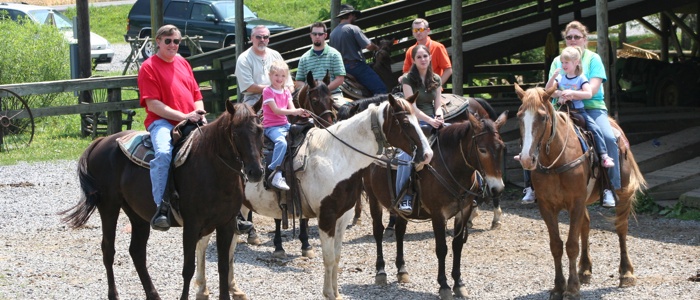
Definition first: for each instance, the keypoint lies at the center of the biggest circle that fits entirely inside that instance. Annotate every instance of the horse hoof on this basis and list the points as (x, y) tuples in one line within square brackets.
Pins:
[(356, 222), (280, 254), (628, 281), (380, 279), (202, 296), (585, 277), (555, 295), (470, 224), (495, 225), (460, 291), (239, 295), (308, 253), (389, 232), (572, 296), (403, 277), (254, 240), (446, 294)]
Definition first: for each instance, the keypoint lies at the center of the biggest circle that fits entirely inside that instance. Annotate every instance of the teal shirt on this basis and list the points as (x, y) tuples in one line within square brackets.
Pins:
[(592, 67), (330, 60)]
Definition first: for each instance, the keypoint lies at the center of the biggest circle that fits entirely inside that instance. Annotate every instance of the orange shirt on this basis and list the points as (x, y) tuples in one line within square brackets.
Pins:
[(438, 57)]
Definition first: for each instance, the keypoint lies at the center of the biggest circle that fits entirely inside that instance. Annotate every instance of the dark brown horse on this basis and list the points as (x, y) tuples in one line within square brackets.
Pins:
[(446, 190), (382, 63), (210, 187), (564, 180)]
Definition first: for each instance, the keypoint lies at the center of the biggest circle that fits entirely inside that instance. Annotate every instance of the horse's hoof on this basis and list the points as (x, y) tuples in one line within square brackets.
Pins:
[(356, 221), (279, 254), (389, 232), (460, 291), (495, 225), (380, 279), (308, 253), (572, 296), (555, 295), (446, 294), (585, 277), (203, 296), (470, 224), (628, 281), (254, 240), (238, 294), (403, 277)]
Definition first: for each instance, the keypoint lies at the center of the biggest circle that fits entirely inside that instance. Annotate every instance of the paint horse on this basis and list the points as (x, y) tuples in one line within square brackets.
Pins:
[(446, 189), (210, 186), (564, 180), (330, 180)]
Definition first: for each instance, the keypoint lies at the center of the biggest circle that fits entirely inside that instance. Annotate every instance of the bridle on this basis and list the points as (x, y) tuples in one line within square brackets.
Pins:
[(319, 118)]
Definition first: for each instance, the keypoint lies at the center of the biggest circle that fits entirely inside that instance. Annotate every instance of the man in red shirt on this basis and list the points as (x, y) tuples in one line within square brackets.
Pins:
[(440, 60)]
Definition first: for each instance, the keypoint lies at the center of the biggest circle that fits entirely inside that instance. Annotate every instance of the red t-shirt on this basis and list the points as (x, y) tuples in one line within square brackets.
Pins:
[(172, 83), (438, 57)]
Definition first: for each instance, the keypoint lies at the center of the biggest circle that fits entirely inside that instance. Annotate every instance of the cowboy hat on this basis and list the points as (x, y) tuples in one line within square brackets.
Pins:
[(348, 9)]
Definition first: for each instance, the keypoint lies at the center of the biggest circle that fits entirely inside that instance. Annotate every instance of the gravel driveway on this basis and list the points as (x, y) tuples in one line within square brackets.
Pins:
[(121, 52), (40, 258)]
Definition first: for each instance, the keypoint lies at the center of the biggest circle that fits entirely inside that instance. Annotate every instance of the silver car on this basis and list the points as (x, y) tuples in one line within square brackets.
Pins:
[(101, 50)]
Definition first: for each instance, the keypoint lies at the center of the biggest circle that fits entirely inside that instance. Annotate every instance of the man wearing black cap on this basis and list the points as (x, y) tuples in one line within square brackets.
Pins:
[(350, 40)]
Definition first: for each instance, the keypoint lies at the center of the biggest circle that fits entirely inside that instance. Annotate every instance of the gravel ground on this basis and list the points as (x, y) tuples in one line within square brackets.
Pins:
[(40, 258), (121, 52)]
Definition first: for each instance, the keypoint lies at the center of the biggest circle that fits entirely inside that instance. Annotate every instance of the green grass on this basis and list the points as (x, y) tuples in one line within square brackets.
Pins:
[(107, 21)]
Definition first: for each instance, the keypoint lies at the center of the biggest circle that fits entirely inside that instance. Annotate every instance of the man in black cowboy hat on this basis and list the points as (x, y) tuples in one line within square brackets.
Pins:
[(350, 40)]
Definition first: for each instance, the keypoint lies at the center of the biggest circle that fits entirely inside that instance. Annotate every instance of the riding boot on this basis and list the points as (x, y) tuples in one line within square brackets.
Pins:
[(160, 220)]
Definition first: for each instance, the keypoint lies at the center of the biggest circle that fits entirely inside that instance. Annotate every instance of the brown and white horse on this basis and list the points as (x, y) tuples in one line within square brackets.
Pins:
[(564, 180), (331, 180)]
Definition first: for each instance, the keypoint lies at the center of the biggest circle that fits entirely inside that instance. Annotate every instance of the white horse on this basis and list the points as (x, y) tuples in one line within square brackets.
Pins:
[(331, 180)]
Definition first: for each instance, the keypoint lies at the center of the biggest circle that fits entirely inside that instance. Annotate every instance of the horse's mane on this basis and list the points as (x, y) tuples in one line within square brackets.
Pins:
[(452, 135), (217, 133), (348, 110)]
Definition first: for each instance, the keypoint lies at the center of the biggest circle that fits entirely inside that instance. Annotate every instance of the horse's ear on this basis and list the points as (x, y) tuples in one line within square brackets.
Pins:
[(501, 120), (229, 107), (392, 101), (549, 92), (475, 123), (519, 91), (327, 78), (411, 99), (310, 79)]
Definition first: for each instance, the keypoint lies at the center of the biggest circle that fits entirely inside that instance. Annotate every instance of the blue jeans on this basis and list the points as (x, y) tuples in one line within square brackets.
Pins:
[(278, 134), (601, 118), (595, 129), (403, 171), (160, 165), (366, 76)]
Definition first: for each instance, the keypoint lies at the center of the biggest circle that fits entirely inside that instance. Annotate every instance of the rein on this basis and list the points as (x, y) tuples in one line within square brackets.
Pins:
[(237, 157), (569, 165)]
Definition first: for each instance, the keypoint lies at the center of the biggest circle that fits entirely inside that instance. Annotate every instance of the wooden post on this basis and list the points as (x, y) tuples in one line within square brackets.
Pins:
[(240, 41), (664, 25), (602, 25), (623, 35), (83, 37), (457, 49), (114, 118), (577, 13), (156, 18), (335, 9)]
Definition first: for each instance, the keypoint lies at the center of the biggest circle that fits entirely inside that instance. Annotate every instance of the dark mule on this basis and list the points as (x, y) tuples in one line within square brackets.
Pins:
[(382, 63), (564, 180), (314, 97), (210, 187), (330, 180), (447, 189)]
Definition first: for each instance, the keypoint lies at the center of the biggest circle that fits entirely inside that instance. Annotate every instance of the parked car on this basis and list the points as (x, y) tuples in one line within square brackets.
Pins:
[(213, 20), (100, 49)]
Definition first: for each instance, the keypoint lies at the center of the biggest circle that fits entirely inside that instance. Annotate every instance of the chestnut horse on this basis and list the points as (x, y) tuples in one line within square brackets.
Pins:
[(331, 181), (564, 180), (210, 186), (445, 192)]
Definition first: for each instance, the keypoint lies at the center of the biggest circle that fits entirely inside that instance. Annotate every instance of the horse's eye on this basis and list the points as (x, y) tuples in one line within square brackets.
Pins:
[(483, 151)]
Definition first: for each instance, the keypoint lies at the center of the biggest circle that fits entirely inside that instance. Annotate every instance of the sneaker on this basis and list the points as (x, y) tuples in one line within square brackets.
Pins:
[(279, 182), (608, 199), (607, 161), (529, 196), (405, 206)]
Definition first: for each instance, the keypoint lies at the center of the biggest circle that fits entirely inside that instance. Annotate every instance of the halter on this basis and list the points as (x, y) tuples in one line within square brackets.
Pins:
[(319, 118), (237, 157), (567, 166)]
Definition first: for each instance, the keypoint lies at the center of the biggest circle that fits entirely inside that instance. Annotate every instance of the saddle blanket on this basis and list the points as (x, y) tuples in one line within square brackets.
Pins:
[(138, 148)]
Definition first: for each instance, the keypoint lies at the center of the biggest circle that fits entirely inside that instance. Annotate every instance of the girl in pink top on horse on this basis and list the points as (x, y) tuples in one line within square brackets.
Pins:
[(277, 105)]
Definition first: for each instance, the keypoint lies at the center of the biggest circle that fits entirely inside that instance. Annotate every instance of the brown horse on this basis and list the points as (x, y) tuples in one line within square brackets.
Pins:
[(446, 191), (564, 180), (210, 187), (382, 63)]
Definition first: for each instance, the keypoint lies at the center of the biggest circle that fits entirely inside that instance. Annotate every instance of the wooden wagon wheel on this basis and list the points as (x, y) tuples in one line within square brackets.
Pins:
[(16, 121)]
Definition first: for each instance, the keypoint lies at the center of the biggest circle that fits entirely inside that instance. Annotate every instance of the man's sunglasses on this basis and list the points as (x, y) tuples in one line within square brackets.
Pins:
[(318, 33), (419, 29), (262, 37), (573, 37), (174, 41)]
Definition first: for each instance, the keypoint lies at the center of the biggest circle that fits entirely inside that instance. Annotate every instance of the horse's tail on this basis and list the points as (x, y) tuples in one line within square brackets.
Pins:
[(636, 184), (79, 214)]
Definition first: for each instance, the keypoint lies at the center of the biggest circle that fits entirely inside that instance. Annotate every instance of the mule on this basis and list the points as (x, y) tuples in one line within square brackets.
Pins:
[(564, 180), (223, 155), (330, 179), (446, 189)]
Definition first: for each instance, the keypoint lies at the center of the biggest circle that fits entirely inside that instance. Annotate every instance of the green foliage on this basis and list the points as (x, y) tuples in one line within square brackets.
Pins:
[(107, 21), (646, 204)]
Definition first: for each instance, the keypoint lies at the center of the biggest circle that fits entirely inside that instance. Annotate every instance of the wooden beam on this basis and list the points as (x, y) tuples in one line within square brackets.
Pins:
[(457, 50), (682, 26), (649, 26), (603, 42)]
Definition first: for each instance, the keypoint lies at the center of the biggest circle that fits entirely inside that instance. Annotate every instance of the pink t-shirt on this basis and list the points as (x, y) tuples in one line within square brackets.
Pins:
[(172, 83), (281, 98)]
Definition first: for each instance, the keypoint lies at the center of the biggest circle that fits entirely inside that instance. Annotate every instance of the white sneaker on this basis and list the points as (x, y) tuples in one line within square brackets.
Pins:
[(608, 199), (529, 196), (405, 206), (279, 182)]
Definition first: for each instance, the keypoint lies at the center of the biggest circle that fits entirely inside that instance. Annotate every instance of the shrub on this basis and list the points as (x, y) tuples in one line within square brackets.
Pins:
[(33, 53)]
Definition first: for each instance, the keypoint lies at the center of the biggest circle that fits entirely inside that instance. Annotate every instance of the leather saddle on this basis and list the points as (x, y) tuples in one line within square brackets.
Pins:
[(353, 89)]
